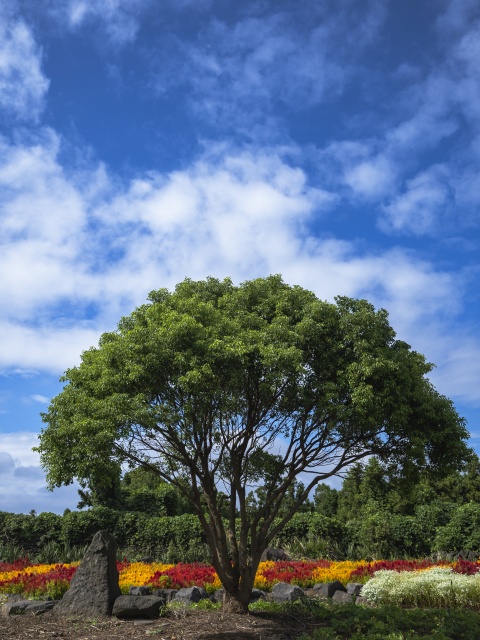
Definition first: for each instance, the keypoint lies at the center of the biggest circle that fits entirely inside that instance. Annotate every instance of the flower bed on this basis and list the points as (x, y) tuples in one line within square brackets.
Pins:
[(365, 571), (438, 586), (54, 580)]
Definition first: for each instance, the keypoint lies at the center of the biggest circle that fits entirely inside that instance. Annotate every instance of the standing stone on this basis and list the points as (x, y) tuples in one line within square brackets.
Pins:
[(94, 587)]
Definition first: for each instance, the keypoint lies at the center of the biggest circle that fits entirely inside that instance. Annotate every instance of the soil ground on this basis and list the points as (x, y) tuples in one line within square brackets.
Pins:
[(194, 625)]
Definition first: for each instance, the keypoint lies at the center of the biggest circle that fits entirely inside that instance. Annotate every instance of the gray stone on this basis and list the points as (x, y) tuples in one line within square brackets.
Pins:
[(140, 591), (284, 592), (327, 589), (147, 560), (354, 588), (472, 556), (39, 607), (449, 557), (142, 623), (94, 587), (26, 606), (361, 600), (273, 554), (340, 597), (257, 594), (14, 608), (166, 594), (191, 595), (218, 595), (135, 607)]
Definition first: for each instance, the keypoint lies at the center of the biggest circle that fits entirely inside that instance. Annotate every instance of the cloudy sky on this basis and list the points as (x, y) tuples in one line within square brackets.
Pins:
[(334, 141)]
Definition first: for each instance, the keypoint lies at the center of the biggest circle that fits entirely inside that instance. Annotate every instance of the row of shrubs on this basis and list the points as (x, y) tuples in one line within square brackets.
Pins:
[(439, 526)]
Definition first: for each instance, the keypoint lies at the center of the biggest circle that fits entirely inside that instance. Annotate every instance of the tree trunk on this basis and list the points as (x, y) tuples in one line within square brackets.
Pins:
[(236, 602)]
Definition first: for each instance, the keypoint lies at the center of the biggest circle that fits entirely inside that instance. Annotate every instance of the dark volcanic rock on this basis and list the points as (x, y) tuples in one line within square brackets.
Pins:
[(327, 589), (140, 591), (273, 554), (284, 592), (340, 597), (354, 588), (135, 607), (218, 596), (94, 587), (191, 595), (167, 595), (26, 606)]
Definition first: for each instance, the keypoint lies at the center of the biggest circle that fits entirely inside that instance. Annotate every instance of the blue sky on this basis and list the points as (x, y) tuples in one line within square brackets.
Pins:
[(337, 143)]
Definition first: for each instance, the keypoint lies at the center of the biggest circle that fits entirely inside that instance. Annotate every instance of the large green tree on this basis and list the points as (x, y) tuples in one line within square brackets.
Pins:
[(216, 386)]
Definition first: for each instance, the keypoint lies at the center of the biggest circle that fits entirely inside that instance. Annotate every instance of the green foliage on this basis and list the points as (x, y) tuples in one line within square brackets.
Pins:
[(462, 531), (155, 502), (54, 553), (11, 552), (314, 525), (326, 500), (351, 622)]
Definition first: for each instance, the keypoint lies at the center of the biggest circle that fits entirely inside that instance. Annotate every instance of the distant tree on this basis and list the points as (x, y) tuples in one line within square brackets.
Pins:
[(295, 491), (204, 382), (326, 500)]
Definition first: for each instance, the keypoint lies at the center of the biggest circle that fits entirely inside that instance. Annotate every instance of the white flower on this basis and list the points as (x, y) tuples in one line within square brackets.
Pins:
[(436, 587)]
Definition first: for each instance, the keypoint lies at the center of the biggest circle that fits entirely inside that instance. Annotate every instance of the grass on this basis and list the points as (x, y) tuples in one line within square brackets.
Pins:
[(353, 622)]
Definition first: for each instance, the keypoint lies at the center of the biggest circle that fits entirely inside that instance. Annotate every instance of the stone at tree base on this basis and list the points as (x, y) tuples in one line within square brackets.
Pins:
[(166, 594), (327, 589), (26, 606), (361, 600), (192, 595), (284, 592), (218, 595), (354, 588), (94, 587), (270, 554), (140, 591), (14, 608), (135, 607), (340, 597)]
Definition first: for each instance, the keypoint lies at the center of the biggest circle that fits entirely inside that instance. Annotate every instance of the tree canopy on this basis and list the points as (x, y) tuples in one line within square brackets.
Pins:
[(222, 388)]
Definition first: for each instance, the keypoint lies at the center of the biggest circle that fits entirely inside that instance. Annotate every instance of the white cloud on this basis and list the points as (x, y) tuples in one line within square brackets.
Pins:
[(424, 202), (22, 479), (39, 398), (439, 107), (72, 242), (296, 56), (22, 84), (119, 19)]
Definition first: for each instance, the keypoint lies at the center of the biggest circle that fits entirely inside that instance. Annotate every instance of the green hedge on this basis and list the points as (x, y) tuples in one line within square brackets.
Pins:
[(462, 531), (438, 526)]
